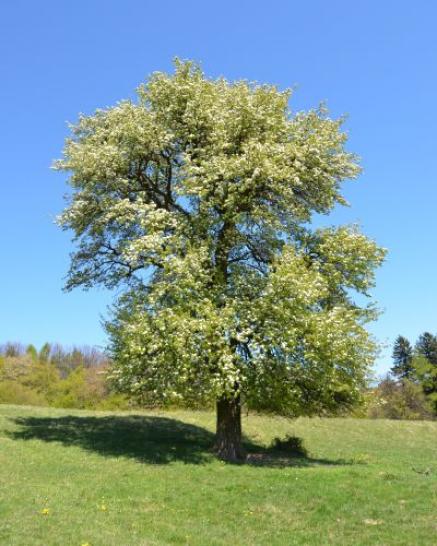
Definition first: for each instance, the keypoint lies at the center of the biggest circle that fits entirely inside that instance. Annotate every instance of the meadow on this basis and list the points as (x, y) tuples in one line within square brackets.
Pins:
[(72, 477)]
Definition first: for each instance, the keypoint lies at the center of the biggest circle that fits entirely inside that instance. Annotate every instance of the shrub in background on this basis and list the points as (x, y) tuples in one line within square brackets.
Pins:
[(291, 445), (58, 377), (399, 400), (12, 392)]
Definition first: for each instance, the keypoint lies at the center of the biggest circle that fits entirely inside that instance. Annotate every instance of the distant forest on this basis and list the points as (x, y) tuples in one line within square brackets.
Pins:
[(77, 377), (410, 390), (56, 376)]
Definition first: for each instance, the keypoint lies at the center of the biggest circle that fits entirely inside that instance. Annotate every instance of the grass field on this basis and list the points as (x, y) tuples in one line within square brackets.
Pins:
[(122, 479)]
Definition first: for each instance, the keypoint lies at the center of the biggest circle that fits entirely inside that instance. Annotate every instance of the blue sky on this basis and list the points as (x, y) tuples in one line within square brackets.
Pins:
[(375, 61)]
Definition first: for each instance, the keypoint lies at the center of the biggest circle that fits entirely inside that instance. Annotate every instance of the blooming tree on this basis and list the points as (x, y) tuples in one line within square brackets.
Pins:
[(197, 199)]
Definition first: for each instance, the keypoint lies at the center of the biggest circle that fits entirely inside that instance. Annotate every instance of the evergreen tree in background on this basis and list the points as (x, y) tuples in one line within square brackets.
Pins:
[(426, 346), (32, 352), (44, 353), (425, 365), (402, 358)]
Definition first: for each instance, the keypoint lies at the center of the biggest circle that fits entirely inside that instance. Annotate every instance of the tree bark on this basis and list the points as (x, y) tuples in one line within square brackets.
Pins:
[(228, 432)]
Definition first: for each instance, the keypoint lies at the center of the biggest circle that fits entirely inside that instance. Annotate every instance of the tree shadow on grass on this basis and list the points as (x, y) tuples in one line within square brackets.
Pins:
[(147, 439)]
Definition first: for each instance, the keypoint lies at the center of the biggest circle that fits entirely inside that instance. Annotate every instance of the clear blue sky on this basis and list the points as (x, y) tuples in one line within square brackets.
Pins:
[(375, 61)]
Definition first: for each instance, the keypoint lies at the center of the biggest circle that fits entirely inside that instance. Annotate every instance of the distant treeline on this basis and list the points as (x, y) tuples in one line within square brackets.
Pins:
[(56, 376), (77, 378), (410, 390)]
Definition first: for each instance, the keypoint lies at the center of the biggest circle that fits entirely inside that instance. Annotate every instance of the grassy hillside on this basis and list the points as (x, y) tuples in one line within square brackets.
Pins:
[(106, 479)]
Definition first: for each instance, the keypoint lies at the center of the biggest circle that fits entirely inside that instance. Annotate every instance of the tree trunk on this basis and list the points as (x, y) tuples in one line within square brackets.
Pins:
[(228, 432)]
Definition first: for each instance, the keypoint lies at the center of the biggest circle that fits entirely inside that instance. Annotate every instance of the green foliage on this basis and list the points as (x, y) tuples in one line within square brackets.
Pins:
[(32, 352), (402, 358), (44, 352), (420, 365), (113, 402), (399, 400), (43, 378), (292, 445), (73, 392), (12, 392), (426, 346), (426, 374), (56, 377), (16, 368), (197, 200)]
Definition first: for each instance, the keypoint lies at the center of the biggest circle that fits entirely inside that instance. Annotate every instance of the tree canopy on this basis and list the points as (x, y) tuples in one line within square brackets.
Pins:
[(197, 200)]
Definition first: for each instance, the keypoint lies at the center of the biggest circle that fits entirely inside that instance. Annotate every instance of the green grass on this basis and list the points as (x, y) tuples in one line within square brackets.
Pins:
[(121, 479)]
